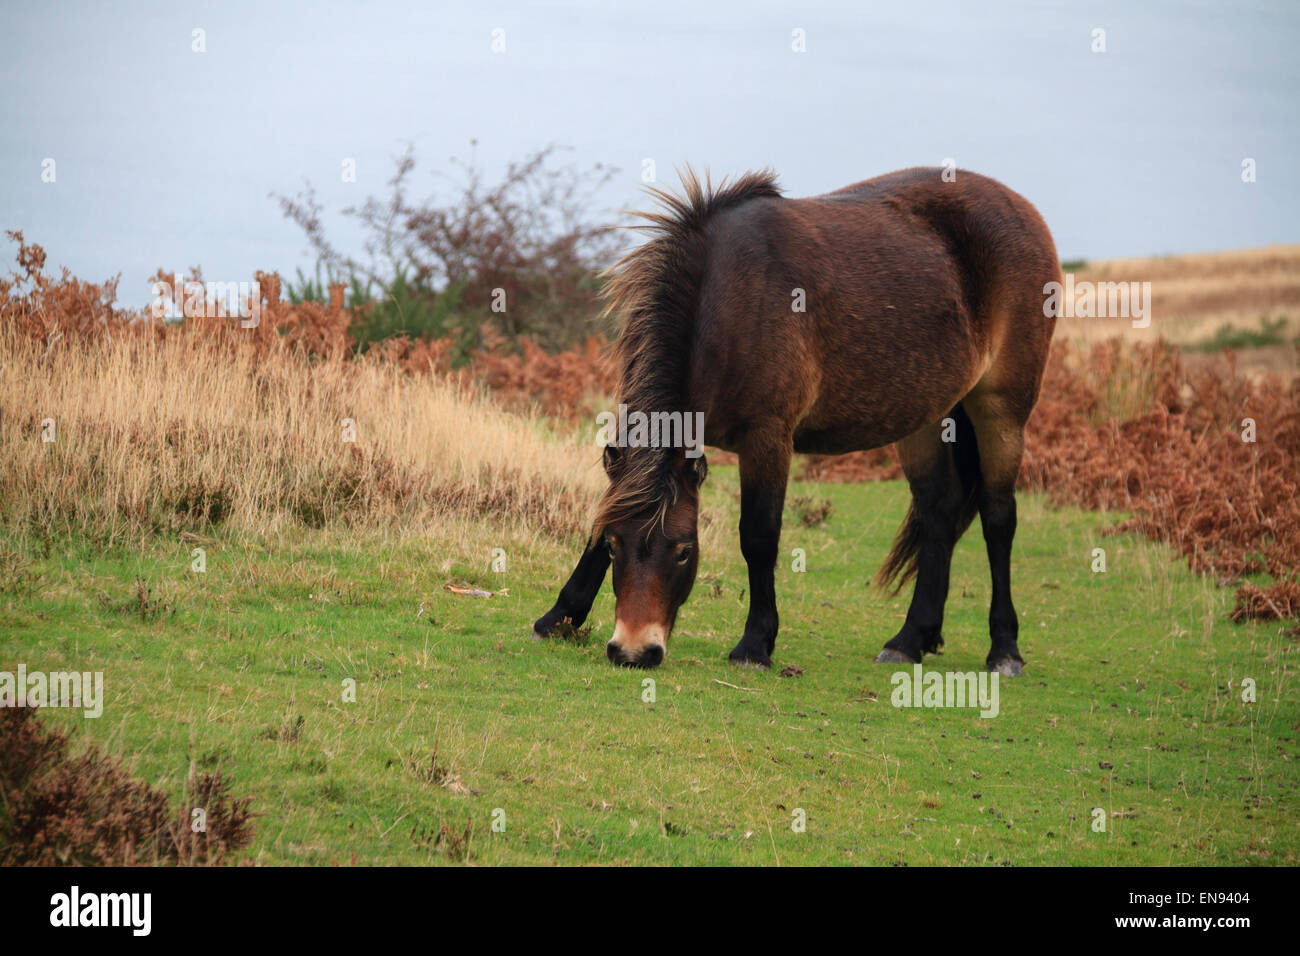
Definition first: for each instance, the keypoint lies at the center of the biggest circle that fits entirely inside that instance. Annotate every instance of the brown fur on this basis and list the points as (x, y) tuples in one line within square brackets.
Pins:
[(655, 288), (922, 304), (828, 385)]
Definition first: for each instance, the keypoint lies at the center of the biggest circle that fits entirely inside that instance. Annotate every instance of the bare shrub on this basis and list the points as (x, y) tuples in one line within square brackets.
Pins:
[(87, 810), (528, 241)]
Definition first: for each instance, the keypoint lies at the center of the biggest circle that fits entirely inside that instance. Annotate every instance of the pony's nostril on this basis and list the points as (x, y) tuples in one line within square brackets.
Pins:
[(612, 652), (652, 656)]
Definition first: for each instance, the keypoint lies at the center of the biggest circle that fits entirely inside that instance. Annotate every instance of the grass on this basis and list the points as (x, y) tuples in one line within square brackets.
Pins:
[(1270, 332), (166, 436), (1131, 701), (1201, 300)]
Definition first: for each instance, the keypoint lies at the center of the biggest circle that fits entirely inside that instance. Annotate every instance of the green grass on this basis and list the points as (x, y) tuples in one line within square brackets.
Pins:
[(1270, 332), (1131, 702)]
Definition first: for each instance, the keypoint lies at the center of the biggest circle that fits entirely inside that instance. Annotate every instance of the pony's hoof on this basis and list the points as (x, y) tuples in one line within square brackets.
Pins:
[(743, 658), (891, 656), (1007, 667)]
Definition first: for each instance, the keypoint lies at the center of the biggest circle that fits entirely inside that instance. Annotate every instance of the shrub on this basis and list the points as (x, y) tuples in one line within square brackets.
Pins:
[(521, 253), (59, 810)]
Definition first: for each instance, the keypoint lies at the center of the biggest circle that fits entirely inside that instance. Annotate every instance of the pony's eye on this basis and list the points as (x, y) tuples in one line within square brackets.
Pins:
[(685, 554), (609, 546)]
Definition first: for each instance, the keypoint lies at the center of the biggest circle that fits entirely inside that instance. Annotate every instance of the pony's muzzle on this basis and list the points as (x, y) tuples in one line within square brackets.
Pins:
[(650, 656), (643, 649)]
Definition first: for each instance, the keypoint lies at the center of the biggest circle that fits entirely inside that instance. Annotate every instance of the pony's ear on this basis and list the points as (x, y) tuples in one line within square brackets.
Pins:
[(692, 470), (613, 457), (701, 466)]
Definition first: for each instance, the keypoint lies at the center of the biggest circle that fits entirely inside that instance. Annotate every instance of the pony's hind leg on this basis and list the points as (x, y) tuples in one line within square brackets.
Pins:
[(999, 430), (942, 477), (579, 593)]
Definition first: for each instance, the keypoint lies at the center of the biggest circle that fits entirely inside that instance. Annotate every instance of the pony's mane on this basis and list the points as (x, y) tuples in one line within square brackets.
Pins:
[(656, 288)]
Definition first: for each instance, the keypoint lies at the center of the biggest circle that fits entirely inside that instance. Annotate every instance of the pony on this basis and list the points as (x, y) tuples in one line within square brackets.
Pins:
[(909, 309)]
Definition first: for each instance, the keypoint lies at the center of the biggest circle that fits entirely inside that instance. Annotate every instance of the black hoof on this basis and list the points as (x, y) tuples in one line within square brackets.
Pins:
[(891, 656), (1006, 666), (547, 625), (742, 656)]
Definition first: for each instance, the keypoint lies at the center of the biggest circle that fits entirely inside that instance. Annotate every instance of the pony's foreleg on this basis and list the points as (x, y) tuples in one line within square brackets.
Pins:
[(577, 596), (764, 471)]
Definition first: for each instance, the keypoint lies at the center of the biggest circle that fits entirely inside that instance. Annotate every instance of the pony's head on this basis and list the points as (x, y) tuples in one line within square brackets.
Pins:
[(647, 521)]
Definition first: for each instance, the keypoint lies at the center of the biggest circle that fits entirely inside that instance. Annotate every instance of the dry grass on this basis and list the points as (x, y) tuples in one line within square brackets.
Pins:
[(185, 432), (1193, 296)]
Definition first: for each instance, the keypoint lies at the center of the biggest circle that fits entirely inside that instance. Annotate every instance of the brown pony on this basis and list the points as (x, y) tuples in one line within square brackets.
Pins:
[(909, 309)]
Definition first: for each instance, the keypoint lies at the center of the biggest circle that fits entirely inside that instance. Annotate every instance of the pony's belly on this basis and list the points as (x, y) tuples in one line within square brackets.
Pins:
[(877, 417), (842, 441)]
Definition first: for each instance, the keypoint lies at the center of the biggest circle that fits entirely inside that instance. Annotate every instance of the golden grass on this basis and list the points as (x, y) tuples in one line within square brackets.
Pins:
[(157, 434), (1195, 295)]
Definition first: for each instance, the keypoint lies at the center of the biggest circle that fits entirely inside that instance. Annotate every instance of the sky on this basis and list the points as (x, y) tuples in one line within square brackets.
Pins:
[(168, 157)]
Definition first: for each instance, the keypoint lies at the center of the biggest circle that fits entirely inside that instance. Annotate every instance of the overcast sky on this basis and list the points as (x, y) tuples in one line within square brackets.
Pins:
[(165, 157)]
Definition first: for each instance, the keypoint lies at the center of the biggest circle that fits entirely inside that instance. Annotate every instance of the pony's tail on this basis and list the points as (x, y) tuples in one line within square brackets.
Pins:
[(901, 564)]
